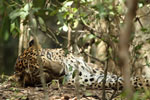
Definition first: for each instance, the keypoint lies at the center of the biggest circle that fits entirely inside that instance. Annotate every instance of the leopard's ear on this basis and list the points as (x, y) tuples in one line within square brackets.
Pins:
[(31, 43)]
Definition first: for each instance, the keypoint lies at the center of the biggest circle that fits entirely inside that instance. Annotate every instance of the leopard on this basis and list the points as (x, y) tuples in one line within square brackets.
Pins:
[(57, 64)]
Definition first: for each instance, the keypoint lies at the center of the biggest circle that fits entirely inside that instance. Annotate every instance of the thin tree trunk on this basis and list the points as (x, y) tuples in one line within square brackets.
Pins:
[(124, 46), (20, 38)]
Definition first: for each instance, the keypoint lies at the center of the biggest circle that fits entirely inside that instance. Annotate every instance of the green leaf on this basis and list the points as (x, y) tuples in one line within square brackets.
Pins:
[(2, 7), (54, 82), (70, 16), (14, 14), (64, 80), (140, 5), (4, 31), (65, 28), (74, 10), (147, 63), (6, 35), (23, 15), (70, 68), (138, 47), (24, 98), (54, 12), (119, 9), (110, 7), (136, 96), (66, 52), (74, 73), (69, 3), (88, 94), (91, 36), (34, 23), (144, 29), (111, 13), (27, 7), (75, 23), (42, 24), (60, 18), (12, 27)]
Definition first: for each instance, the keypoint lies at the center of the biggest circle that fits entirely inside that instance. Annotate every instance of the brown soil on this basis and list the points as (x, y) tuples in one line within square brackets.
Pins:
[(9, 91)]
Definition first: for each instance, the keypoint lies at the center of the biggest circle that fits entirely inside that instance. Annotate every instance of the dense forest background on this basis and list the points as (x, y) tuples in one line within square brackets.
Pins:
[(113, 34), (86, 25)]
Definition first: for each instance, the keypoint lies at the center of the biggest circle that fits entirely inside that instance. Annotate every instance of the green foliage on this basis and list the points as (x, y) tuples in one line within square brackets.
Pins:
[(6, 26), (70, 68), (74, 73), (22, 13), (77, 14), (13, 12), (5, 29), (145, 30), (138, 95), (42, 24), (138, 47), (67, 15), (3, 78), (64, 80), (69, 12)]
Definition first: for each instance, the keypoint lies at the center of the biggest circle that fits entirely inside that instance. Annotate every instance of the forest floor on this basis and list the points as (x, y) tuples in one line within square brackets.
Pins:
[(9, 91)]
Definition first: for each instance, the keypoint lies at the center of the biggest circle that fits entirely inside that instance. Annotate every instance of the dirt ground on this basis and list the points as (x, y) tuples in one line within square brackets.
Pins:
[(9, 91)]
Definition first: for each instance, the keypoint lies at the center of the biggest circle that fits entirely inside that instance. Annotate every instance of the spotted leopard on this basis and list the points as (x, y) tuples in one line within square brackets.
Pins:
[(57, 64)]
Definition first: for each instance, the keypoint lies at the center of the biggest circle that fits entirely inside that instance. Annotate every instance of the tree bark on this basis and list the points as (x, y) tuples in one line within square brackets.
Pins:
[(124, 46)]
